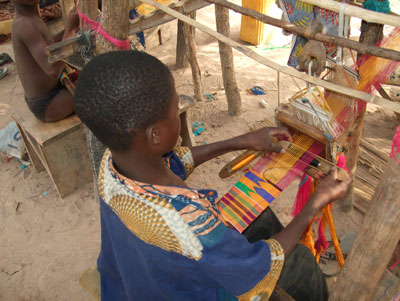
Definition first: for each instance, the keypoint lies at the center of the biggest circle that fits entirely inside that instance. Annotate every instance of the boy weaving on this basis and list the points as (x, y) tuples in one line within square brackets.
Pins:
[(162, 240), (45, 96)]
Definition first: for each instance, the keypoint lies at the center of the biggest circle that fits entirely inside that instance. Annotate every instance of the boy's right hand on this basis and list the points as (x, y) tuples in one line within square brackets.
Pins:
[(330, 189)]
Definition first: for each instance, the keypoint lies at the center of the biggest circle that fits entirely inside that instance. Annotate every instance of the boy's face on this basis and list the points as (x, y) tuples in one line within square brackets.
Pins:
[(172, 123)]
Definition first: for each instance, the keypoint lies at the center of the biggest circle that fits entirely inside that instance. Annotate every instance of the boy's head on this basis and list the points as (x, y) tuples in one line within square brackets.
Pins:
[(26, 2), (127, 96)]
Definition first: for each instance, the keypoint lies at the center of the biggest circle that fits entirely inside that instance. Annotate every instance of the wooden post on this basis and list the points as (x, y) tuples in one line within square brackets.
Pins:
[(196, 73), (115, 22), (227, 66), (377, 238), (182, 52), (371, 33), (89, 8)]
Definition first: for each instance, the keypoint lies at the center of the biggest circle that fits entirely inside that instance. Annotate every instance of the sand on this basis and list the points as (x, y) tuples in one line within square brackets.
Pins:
[(46, 242)]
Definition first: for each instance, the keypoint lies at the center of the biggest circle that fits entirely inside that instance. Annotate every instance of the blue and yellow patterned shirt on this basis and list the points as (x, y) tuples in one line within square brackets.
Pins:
[(169, 243)]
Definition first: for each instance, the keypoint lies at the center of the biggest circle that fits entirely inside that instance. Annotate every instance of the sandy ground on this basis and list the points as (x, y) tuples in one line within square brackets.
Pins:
[(46, 242)]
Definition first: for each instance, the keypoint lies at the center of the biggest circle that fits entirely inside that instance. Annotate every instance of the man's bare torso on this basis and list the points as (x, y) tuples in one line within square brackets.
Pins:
[(34, 79)]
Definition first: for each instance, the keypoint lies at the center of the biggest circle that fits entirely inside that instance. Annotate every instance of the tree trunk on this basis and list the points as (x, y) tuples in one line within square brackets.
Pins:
[(115, 22), (182, 52), (227, 66), (192, 57)]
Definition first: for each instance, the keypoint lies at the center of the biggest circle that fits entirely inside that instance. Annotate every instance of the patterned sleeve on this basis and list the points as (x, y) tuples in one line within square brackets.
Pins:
[(246, 270), (185, 155), (265, 287)]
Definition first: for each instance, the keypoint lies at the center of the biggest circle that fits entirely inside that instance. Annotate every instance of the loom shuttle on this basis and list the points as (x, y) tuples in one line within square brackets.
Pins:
[(244, 162), (239, 162)]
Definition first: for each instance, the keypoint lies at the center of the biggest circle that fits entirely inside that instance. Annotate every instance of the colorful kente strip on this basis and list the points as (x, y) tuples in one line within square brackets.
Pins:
[(256, 190)]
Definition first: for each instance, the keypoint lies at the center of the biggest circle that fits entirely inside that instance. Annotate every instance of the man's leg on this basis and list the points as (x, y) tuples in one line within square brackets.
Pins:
[(60, 107), (301, 276)]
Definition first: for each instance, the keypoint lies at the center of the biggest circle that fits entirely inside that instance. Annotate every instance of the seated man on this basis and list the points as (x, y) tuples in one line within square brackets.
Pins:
[(163, 240), (45, 95)]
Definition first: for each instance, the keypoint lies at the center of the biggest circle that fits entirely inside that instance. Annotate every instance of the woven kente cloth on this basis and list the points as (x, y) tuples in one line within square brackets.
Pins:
[(270, 175)]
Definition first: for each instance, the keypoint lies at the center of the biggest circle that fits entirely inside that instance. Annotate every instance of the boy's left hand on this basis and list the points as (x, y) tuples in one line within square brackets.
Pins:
[(72, 25), (262, 139)]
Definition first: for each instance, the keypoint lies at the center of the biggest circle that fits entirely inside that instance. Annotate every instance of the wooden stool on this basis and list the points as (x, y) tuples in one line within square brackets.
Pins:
[(59, 147)]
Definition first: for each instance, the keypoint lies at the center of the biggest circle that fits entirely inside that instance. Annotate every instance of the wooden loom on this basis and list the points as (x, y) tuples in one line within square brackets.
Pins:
[(114, 22)]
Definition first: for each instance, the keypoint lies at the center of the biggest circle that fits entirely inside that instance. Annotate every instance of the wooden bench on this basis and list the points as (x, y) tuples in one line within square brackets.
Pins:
[(59, 147)]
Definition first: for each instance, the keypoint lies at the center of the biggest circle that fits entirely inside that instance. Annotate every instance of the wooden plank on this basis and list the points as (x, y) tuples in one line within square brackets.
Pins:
[(33, 156), (325, 38), (358, 12), (158, 17), (45, 132), (67, 161), (227, 66), (284, 69), (375, 242)]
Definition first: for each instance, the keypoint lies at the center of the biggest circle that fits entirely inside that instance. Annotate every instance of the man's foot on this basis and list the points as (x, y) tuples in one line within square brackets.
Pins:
[(4, 59), (3, 72)]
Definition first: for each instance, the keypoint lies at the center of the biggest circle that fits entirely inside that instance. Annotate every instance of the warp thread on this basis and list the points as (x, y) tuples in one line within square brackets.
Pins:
[(96, 26), (395, 153)]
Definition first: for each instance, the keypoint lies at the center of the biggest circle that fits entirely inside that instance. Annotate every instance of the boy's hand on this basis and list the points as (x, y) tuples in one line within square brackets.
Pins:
[(261, 140), (72, 25), (329, 189)]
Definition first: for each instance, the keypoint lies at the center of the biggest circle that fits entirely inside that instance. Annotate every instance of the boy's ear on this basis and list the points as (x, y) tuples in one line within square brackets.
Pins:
[(153, 135)]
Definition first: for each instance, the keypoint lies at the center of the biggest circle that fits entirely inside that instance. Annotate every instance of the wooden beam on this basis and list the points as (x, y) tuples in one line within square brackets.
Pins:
[(114, 21), (376, 240), (227, 66), (358, 12), (158, 17), (299, 125), (284, 69), (298, 30), (63, 49)]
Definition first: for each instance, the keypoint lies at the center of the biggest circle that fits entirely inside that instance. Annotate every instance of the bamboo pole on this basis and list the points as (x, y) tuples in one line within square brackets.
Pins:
[(377, 238), (158, 17), (284, 69), (298, 30), (226, 57), (358, 12)]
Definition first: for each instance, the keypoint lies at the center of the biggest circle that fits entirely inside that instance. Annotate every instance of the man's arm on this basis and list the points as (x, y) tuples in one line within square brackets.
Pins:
[(257, 140), (327, 191), (28, 33)]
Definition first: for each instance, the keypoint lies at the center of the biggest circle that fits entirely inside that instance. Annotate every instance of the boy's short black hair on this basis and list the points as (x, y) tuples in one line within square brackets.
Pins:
[(120, 93)]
